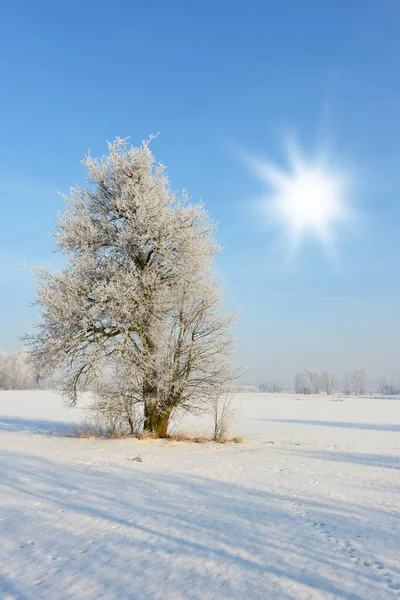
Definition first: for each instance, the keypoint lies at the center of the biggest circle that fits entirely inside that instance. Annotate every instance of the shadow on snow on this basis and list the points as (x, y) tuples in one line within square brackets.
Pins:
[(140, 534), (362, 426), (39, 426)]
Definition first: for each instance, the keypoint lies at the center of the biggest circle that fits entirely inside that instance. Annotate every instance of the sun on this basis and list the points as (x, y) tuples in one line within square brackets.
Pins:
[(307, 199)]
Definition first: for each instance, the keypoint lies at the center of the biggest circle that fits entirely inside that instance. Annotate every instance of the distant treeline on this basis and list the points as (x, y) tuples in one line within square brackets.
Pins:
[(16, 373), (307, 382)]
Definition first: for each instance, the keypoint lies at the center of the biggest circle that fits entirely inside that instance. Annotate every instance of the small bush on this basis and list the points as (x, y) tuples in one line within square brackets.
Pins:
[(85, 430), (221, 437), (223, 414)]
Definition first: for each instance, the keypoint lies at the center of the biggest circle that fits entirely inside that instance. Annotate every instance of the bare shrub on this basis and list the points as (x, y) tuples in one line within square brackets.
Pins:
[(86, 429), (93, 428), (223, 414), (116, 411)]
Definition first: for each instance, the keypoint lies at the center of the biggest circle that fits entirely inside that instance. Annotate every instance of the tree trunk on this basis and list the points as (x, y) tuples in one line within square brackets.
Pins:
[(156, 421)]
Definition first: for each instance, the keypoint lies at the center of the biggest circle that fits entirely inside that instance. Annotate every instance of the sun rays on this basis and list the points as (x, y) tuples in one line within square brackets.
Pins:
[(306, 199)]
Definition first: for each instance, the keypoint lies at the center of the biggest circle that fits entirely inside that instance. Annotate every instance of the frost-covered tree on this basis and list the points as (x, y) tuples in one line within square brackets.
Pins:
[(302, 383), (359, 382), (315, 379), (388, 388), (270, 387), (383, 386), (346, 384), (15, 371), (137, 303), (328, 379)]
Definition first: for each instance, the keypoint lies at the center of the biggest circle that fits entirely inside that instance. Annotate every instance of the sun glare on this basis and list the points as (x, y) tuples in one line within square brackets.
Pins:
[(308, 198)]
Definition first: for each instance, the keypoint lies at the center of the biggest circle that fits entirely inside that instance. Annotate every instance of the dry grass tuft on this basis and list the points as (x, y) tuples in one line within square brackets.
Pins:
[(200, 439), (88, 429), (195, 438), (183, 436), (224, 439), (146, 435)]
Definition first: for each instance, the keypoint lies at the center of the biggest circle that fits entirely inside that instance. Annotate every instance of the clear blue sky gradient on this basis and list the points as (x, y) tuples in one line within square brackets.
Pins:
[(212, 77)]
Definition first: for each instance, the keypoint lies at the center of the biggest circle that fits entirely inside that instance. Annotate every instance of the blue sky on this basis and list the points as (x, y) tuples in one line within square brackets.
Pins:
[(213, 77)]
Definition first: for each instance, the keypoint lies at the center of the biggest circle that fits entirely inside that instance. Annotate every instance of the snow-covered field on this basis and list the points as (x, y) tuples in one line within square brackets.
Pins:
[(306, 507)]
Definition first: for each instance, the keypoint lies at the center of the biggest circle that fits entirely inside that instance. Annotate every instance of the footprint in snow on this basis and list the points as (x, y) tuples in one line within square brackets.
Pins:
[(393, 585), (349, 549), (27, 544)]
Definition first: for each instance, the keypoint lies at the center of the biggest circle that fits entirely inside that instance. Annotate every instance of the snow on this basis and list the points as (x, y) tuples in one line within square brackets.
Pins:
[(306, 507)]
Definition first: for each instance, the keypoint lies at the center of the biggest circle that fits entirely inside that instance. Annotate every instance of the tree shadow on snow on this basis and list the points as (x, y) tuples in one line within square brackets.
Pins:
[(363, 426), (129, 532), (38, 426), (386, 461)]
